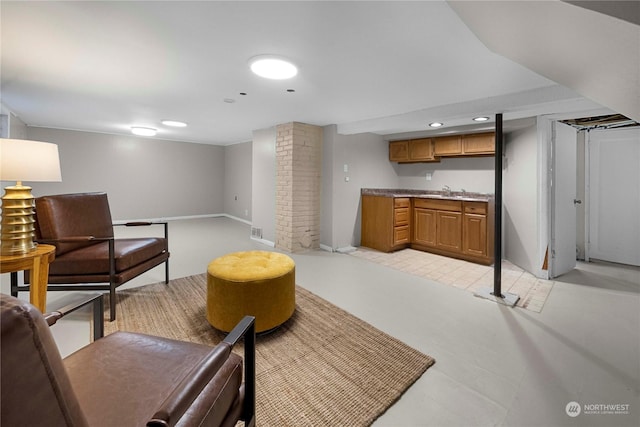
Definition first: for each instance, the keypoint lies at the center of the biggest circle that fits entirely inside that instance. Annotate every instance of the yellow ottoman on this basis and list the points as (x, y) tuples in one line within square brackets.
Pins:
[(255, 283)]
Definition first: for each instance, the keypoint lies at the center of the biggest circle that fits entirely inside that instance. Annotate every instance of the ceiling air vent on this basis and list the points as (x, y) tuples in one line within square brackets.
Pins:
[(601, 122)]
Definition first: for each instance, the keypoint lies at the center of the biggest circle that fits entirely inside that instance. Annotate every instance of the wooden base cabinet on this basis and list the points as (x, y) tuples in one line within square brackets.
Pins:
[(437, 224), (478, 230), (458, 229), (455, 228), (386, 222)]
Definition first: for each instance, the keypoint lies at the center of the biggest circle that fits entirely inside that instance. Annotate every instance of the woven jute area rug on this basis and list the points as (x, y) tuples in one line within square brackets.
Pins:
[(323, 367)]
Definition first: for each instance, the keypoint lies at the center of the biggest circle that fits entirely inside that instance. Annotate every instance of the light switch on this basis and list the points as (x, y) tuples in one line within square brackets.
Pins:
[(428, 176)]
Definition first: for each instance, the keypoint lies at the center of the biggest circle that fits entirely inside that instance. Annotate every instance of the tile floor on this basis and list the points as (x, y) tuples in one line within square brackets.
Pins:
[(495, 365), (533, 292)]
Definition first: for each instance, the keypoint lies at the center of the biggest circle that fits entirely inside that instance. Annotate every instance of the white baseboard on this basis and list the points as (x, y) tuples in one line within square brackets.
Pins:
[(263, 241), (179, 218), (346, 249)]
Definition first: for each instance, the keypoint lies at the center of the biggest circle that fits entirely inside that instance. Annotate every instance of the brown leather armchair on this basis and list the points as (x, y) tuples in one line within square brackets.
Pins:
[(88, 257), (124, 379)]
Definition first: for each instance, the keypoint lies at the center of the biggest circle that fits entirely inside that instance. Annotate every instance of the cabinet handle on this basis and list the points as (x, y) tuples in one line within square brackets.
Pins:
[(577, 202)]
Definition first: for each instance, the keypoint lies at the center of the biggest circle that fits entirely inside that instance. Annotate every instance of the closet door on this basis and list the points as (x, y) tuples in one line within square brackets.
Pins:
[(614, 195)]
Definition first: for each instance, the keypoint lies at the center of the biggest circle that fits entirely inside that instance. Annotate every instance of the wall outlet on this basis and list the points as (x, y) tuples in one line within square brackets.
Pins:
[(246, 212), (428, 176), (346, 168)]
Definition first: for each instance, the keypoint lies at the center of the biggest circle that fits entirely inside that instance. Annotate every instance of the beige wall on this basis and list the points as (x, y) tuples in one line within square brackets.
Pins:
[(237, 180), (368, 166), (475, 174), (143, 177), (263, 194)]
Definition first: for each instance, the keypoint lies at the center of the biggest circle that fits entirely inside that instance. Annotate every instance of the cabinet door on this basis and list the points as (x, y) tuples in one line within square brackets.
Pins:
[(475, 234), (424, 226), (399, 151), (420, 149), (447, 146), (449, 230), (481, 143)]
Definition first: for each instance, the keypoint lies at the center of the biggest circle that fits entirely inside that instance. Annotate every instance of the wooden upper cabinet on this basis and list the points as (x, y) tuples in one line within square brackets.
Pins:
[(432, 149), (421, 149), (399, 151), (479, 143), (447, 146), (413, 150)]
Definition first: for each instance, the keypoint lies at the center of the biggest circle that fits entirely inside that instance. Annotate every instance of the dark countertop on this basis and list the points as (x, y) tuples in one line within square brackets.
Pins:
[(427, 194)]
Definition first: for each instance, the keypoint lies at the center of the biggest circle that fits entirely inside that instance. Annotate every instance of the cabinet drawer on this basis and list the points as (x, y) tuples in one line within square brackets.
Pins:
[(401, 202), (401, 216), (401, 235), (475, 207), (437, 204)]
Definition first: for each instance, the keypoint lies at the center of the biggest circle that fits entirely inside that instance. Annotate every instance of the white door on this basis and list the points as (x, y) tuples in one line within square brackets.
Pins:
[(614, 195), (563, 195)]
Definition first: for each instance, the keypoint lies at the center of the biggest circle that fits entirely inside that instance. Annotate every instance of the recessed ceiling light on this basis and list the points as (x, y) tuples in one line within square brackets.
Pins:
[(481, 119), (229, 100), (272, 67), (435, 124), (174, 123), (143, 131)]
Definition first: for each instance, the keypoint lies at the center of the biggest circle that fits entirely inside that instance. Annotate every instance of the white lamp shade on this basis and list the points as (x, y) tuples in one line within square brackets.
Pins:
[(23, 160)]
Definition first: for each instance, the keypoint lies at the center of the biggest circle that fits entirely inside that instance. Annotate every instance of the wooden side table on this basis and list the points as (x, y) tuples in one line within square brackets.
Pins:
[(37, 261)]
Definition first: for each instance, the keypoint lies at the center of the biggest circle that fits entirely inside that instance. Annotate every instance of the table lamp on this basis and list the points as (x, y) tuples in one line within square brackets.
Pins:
[(22, 160)]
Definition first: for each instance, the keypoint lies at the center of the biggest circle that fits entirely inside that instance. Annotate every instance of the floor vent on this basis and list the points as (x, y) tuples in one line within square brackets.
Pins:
[(256, 232)]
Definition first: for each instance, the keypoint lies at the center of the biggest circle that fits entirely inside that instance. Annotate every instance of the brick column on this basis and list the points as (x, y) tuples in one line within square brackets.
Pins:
[(298, 169)]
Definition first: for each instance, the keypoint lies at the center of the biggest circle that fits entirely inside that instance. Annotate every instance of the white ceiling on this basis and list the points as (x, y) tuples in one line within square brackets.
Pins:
[(384, 67)]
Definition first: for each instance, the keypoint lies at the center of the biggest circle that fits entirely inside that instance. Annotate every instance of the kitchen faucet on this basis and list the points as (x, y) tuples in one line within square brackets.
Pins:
[(447, 190)]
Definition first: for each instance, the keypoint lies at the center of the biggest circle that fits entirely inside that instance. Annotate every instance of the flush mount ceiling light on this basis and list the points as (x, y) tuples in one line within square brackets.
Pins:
[(174, 123), (272, 67), (435, 124), (143, 131), (480, 119)]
